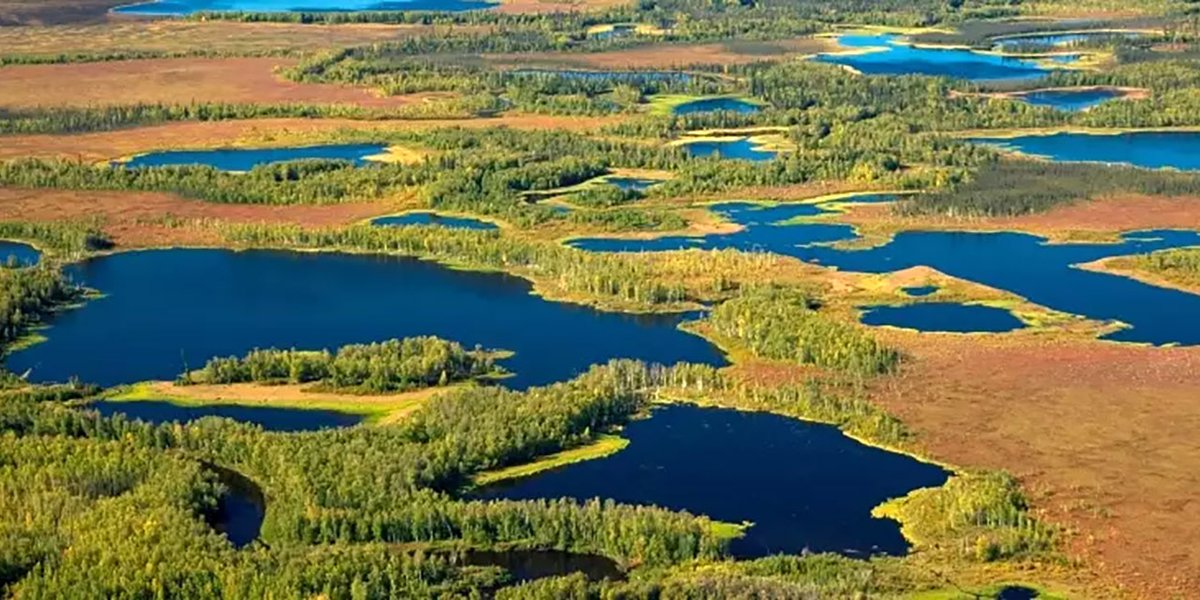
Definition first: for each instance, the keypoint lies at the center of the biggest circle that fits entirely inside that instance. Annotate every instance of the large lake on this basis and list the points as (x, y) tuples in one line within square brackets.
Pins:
[(804, 485), (1149, 149), (886, 54), (167, 310), (1023, 264)]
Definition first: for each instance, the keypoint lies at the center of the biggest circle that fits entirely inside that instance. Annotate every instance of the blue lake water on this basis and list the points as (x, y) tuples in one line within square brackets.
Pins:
[(804, 485), (240, 510), (741, 149), (705, 105), (187, 7), (18, 253), (640, 184), (431, 218), (244, 159), (1069, 100), (1020, 263), (528, 565), (1149, 149), (943, 316), (165, 310), (268, 417), (889, 56)]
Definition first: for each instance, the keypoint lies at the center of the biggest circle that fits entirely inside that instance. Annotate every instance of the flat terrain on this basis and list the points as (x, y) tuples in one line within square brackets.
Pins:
[(54, 12), (556, 6), (1101, 218), (141, 219), (174, 81), (666, 56), (1103, 435), (109, 145), (214, 37)]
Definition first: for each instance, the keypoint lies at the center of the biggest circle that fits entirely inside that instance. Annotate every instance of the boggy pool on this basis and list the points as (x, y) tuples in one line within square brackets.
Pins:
[(421, 217), (270, 418), (886, 54), (1023, 264), (243, 159), (18, 254), (167, 310), (804, 485), (1071, 100)]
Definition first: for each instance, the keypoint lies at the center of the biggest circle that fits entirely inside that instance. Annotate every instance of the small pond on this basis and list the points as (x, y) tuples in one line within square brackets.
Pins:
[(527, 565), (270, 418), (811, 486), (920, 290), (1148, 149), (240, 160), (432, 218), (1023, 264), (1069, 99), (705, 105), (167, 310), (948, 317), (241, 510), (886, 54), (639, 184), (18, 253), (740, 149)]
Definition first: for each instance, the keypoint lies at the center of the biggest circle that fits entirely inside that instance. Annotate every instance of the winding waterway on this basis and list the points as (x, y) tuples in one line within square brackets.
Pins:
[(1148, 149)]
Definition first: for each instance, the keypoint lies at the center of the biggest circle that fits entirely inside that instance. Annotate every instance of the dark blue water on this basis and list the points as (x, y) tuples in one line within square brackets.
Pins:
[(244, 159), (705, 105), (1020, 263), (602, 76), (187, 7), (1069, 100), (165, 310), (943, 316), (742, 149), (896, 58), (240, 510), (805, 486), (18, 253), (528, 565), (429, 218), (920, 290), (632, 183), (1149, 149), (268, 417)]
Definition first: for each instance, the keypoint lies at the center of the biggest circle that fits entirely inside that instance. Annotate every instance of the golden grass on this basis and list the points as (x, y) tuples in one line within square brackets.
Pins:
[(604, 445)]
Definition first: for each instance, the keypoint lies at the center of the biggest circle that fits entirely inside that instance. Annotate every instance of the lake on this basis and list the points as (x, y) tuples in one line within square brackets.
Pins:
[(949, 317), (18, 253), (165, 311), (240, 510), (886, 54), (706, 105), (240, 160), (639, 184), (270, 418), (1068, 99), (1016, 42), (804, 485), (1148, 149), (528, 565), (920, 290), (187, 7), (432, 218), (740, 149), (1023, 264)]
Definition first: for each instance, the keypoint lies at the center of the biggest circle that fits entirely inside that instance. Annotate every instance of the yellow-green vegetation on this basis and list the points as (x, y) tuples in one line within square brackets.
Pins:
[(379, 409), (1177, 268), (604, 445)]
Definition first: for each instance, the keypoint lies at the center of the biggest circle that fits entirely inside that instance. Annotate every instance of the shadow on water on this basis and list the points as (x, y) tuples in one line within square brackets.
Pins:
[(528, 565), (244, 159), (950, 317), (269, 418), (812, 487), (885, 54), (241, 510), (431, 218), (168, 310), (1148, 149), (16, 253), (1023, 264)]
